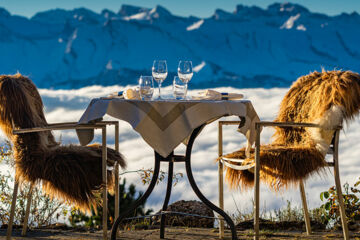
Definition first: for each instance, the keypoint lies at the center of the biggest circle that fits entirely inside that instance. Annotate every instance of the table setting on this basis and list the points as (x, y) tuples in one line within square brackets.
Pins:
[(165, 122), (145, 89)]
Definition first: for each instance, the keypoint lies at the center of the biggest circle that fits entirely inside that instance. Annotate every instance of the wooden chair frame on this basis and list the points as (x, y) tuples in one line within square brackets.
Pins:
[(258, 127), (68, 126)]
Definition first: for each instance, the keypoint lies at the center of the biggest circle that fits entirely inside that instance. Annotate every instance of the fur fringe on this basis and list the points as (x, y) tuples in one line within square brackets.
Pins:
[(281, 166), (69, 173)]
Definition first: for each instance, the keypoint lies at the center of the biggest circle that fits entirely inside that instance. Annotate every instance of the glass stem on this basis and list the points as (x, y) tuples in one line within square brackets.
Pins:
[(159, 89)]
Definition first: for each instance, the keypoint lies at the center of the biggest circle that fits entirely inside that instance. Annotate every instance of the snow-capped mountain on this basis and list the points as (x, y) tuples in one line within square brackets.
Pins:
[(250, 47)]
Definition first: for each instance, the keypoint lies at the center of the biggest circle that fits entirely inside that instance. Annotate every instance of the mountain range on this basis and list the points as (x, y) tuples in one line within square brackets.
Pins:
[(249, 47)]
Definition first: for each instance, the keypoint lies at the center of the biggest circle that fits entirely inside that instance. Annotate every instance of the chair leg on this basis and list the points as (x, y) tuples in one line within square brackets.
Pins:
[(104, 178), (257, 184), (305, 208), (221, 181), (27, 212), (342, 207), (221, 200), (117, 197), (338, 187), (12, 211)]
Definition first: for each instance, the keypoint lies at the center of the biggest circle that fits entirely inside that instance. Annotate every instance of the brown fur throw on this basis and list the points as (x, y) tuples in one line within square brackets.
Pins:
[(71, 173), (325, 98)]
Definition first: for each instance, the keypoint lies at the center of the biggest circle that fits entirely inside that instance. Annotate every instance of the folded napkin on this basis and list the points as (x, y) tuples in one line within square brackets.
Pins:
[(215, 95), (129, 93)]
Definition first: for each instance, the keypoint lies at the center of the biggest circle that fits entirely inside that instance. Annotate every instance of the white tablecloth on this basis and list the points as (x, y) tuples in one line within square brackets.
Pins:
[(164, 124)]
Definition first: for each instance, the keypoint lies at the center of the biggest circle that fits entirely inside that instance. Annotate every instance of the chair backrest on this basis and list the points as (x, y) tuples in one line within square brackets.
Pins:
[(21, 106), (326, 98)]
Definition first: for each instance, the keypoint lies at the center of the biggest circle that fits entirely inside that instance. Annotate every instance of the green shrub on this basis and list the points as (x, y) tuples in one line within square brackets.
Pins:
[(94, 219), (44, 211), (331, 212)]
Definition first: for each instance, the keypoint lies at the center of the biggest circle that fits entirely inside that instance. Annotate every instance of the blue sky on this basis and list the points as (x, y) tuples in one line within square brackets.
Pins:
[(200, 8)]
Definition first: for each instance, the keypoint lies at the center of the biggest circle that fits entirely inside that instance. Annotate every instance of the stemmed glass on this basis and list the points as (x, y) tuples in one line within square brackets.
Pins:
[(159, 73), (185, 71)]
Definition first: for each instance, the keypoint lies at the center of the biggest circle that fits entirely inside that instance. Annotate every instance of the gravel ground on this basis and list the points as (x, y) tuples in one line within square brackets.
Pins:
[(178, 233)]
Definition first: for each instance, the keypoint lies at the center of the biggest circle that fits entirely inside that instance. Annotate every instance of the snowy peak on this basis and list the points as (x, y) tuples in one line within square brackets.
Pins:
[(145, 14), (293, 22), (195, 25), (87, 16), (129, 10), (60, 16), (253, 11), (289, 24), (76, 48), (241, 12), (52, 16), (160, 11), (222, 15), (286, 9), (106, 13)]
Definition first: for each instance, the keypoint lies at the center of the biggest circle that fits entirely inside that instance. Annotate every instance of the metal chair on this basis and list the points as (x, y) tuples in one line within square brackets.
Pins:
[(333, 150), (66, 126)]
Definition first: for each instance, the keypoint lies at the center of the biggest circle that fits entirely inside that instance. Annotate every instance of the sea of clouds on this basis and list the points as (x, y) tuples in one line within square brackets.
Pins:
[(68, 105)]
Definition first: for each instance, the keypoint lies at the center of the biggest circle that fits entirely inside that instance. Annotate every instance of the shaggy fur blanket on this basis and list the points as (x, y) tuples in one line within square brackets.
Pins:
[(326, 98), (70, 173)]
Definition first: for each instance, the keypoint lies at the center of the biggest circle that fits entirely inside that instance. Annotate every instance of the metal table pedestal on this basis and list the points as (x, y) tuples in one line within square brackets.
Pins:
[(171, 159)]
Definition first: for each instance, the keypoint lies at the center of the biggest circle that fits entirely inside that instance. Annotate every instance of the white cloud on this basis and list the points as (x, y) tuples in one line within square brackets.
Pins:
[(68, 105)]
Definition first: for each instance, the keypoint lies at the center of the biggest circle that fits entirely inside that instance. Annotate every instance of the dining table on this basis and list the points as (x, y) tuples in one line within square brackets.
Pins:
[(164, 125)]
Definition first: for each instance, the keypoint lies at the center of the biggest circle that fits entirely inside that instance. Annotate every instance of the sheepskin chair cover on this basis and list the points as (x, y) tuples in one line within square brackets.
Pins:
[(70, 173), (327, 98)]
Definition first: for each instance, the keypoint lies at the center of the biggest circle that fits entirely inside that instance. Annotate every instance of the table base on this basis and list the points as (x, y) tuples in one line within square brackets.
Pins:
[(171, 159)]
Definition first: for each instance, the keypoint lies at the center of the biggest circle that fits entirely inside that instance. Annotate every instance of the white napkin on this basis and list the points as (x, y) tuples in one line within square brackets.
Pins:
[(115, 95), (129, 93), (215, 95)]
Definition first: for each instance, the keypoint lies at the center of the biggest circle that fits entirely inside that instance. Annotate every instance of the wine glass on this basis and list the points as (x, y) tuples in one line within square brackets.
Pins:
[(146, 87), (159, 73), (185, 71)]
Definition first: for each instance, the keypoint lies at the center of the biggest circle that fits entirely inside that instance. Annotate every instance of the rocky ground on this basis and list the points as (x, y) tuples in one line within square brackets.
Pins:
[(173, 233)]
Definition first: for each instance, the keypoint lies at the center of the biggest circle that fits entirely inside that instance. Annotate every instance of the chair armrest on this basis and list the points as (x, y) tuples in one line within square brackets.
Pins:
[(279, 124), (77, 124), (227, 122), (291, 124), (259, 125), (65, 126)]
